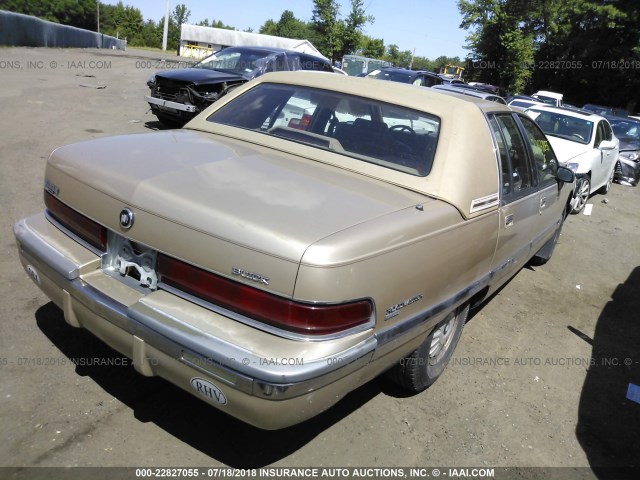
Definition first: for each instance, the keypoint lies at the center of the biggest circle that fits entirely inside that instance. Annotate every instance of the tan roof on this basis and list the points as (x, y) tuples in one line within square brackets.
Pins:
[(465, 169)]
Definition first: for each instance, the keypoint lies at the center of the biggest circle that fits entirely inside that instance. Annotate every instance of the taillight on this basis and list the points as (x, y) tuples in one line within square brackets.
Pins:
[(304, 318), (300, 123), (88, 230)]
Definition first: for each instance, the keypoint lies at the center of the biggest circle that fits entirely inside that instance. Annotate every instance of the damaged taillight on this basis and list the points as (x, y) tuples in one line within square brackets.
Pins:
[(298, 317), (88, 230)]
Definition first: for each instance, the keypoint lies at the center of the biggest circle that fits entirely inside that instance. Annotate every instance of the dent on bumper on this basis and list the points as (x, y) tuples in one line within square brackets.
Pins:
[(161, 344)]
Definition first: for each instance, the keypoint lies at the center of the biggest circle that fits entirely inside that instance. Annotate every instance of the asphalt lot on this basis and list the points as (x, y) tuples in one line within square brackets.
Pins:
[(539, 378)]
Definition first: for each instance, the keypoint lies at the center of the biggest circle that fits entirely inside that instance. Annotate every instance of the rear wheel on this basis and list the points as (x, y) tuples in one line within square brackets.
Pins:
[(583, 187), (427, 362)]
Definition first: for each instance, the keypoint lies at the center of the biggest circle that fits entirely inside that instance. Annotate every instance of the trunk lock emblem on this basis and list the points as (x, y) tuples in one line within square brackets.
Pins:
[(126, 218)]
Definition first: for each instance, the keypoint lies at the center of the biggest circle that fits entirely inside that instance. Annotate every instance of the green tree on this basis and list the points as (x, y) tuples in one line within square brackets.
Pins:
[(124, 22), (288, 26), (77, 13), (149, 36), (423, 63), (393, 53), (501, 49), (397, 57), (327, 28), (220, 24), (129, 22), (372, 47), (179, 16), (603, 37), (351, 35)]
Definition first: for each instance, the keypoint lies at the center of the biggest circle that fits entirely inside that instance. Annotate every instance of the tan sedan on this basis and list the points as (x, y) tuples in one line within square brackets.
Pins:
[(303, 235)]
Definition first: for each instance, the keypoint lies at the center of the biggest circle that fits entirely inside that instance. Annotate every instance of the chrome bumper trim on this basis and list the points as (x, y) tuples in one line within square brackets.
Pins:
[(30, 241), (221, 360), (169, 104)]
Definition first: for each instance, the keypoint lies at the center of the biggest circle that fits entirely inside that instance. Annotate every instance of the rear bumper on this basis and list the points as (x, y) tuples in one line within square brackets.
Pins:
[(163, 336)]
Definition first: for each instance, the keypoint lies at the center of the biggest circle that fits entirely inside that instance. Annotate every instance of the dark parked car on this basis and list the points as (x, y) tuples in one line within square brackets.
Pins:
[(485, 87), (627, 171), (605, 111), (472, 92), (179, 95), (402, 75)]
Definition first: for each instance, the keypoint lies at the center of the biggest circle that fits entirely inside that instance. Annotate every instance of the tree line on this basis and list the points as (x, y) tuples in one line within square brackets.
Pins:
[(587, 49)]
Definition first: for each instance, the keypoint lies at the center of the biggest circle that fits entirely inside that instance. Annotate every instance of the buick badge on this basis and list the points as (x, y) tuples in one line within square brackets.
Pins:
[(126, 218)]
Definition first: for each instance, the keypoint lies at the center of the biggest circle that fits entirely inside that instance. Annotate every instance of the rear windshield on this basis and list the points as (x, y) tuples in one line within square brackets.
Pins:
[(372, 131)]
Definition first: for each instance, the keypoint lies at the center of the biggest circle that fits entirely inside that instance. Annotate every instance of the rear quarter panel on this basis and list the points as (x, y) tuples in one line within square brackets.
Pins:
[(433, 254)]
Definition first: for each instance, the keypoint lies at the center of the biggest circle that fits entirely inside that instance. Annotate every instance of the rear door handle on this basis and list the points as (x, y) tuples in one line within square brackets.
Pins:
[(543, 203), (508, 220)]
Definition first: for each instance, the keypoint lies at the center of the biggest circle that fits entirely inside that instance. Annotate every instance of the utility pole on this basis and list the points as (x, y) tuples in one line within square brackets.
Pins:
[(166, 28), (98, 7)]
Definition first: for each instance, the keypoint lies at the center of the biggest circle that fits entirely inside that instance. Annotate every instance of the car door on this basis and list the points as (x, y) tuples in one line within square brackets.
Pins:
[(552, 208), (609, 156), (597, 158), (519, 200)]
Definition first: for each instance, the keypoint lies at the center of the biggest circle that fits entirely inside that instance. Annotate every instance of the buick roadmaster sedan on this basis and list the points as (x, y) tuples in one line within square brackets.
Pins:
[(303, 235)]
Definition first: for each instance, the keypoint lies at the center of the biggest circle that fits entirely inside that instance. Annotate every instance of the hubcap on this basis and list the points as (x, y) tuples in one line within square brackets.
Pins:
[(442, 338)]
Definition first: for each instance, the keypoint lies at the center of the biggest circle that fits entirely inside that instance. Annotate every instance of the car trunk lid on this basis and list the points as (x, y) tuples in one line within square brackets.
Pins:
[(218, 203)]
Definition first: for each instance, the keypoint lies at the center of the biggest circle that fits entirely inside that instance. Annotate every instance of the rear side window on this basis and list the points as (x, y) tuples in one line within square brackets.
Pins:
[(600, 134), (608, 133), (516, 174), (545, 159)]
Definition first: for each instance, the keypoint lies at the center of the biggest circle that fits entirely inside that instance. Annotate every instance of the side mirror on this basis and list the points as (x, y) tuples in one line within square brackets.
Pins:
[(565, 175), (606, 145)]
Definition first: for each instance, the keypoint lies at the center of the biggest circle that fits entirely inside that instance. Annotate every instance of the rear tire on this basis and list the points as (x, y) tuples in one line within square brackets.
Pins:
[(426, 363)]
